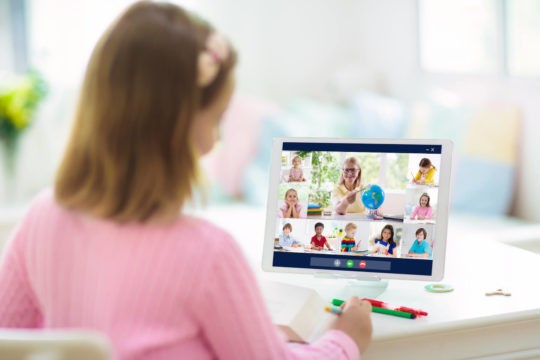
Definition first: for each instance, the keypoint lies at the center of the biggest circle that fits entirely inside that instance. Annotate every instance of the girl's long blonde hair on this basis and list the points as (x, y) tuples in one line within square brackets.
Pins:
[(130, 156)]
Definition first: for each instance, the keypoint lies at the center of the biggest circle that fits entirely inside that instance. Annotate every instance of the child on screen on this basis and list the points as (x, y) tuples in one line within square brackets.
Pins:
[(426, 172), (385, 244), (318, 241), (348, 243), (286, 239), (291, 208), (112, 248), (420, 247), (423, 210), (296, 173)]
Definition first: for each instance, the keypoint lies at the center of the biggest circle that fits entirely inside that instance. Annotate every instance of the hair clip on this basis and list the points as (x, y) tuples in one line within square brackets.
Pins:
[(209, 61)]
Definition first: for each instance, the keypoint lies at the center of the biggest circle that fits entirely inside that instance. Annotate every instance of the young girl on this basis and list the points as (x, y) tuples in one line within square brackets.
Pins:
[(108, 250), (423, 210), (385, 245), (426, 172), (348, 243), (296, 173), (291, 208)]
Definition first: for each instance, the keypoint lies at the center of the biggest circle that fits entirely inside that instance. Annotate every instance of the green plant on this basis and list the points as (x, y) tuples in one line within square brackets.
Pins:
[(324, 175)]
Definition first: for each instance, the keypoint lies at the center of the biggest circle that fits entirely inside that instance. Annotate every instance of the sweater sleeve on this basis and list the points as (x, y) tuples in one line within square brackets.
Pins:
[(235, 321), (429, 212), (18, 303)]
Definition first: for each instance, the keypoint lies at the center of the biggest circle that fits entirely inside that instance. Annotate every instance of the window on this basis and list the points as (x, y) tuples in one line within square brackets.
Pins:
[(13, 38), (458, 36), (396, 171), (480, 36), (523, 36)]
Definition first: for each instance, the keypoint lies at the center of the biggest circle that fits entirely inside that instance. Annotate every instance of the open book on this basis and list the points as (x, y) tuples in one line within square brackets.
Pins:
[(298, 311)]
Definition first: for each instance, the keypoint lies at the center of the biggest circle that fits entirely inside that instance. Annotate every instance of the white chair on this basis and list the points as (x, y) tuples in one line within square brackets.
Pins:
[(53, 345)]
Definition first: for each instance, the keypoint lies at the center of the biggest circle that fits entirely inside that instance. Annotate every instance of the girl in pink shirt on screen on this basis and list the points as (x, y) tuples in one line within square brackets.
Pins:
[(296, 173), (423, 210), (111, 247), (291, 208)]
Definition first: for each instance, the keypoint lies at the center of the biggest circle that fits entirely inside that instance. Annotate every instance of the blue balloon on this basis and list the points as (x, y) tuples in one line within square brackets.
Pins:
[(373, 196)]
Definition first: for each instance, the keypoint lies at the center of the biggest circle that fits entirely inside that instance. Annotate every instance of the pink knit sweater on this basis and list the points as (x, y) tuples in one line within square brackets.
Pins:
[(424, 211), (159, 292)]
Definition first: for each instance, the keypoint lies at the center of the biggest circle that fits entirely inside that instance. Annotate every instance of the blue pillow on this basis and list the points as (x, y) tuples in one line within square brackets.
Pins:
[(485, 142), (482, 186), (377, 116)]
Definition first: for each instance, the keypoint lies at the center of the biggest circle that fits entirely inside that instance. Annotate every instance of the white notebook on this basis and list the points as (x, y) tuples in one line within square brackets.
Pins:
[(297, 311)]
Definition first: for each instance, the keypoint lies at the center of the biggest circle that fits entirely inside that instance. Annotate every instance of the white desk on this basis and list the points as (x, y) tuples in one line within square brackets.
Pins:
[(462, 324), (466, 323)]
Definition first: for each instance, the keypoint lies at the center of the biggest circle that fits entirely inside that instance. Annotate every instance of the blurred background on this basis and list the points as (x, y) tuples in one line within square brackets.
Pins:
[(467, 70)]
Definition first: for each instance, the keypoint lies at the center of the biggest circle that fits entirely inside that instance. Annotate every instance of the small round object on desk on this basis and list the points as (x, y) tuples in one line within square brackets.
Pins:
[(438, 288)]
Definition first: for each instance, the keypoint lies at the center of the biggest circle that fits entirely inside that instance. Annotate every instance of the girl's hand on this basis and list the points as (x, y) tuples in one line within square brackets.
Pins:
[(420, 217), (355, 321)]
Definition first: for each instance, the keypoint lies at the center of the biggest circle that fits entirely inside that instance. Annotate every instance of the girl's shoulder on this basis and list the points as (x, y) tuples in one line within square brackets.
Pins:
[(205, 230), (44, 203)]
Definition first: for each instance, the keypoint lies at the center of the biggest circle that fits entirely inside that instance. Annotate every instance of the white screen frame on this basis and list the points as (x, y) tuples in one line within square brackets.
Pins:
[(441, 225)]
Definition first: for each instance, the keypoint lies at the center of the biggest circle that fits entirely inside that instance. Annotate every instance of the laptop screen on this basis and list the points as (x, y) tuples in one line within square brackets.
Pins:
[(373, 207)]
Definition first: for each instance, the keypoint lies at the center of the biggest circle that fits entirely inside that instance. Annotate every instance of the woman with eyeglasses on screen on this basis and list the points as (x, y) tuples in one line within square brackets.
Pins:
[(346, 196)]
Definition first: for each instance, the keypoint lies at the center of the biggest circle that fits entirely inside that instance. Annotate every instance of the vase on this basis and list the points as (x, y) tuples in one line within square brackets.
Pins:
[(8, 152)]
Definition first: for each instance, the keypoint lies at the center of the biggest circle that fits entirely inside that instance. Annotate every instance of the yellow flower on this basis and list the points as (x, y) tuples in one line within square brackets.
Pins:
[(18, 102)]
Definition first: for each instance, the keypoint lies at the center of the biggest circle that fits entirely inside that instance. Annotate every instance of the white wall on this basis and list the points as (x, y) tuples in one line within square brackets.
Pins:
[(290, 48)]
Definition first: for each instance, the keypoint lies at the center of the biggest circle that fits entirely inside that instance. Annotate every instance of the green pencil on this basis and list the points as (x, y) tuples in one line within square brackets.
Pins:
[(381, 310), (386, 311)]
